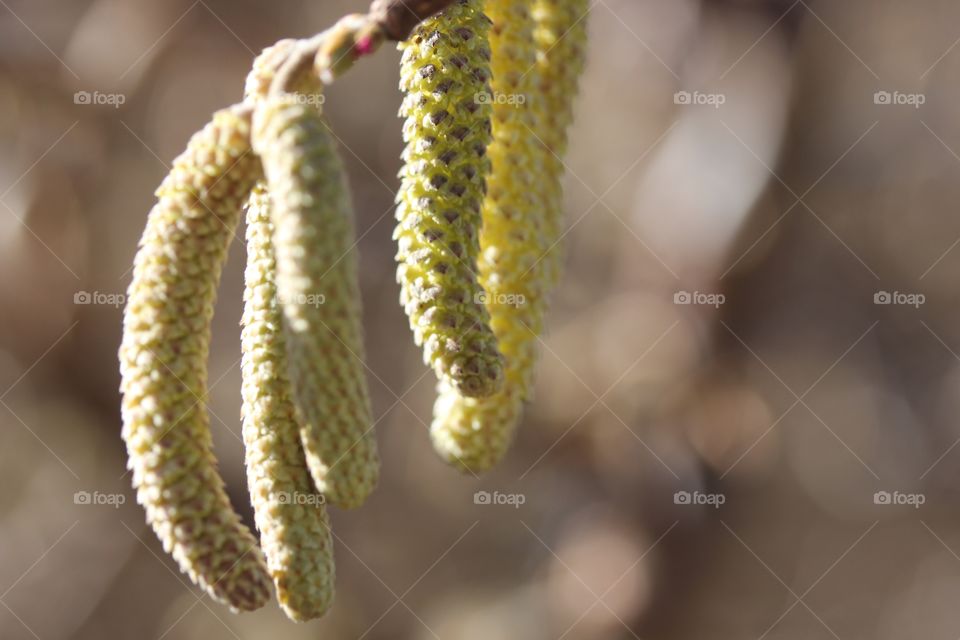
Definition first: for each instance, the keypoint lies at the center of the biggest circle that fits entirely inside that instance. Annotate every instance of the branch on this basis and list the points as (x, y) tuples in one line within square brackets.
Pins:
[(332, 52), (398, 18)]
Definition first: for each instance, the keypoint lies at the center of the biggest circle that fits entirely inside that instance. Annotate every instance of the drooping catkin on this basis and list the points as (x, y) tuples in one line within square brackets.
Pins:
[(444, 73), (561, 39), (318, 289), (474, 433), (163, 363), (521, 217), (291, 516)]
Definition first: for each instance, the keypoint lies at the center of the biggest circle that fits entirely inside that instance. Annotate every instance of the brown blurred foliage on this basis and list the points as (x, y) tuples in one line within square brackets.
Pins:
[(781, 195)]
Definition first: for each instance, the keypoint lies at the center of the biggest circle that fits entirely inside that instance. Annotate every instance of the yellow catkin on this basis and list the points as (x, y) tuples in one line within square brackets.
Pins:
[(318, 288), (291, 516), (444, 73), (521, 215), (163, 363), (561, 39)]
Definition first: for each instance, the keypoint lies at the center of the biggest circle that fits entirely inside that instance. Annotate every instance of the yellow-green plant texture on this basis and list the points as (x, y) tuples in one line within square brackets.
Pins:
[(445, 72), (290, 514), (163, 363), (318, 290), (561, 40), (488, 97), (537, 58)]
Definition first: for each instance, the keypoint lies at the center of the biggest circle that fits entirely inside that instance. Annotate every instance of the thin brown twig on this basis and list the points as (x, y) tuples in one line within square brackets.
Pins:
[(398, 18), (330, 53)]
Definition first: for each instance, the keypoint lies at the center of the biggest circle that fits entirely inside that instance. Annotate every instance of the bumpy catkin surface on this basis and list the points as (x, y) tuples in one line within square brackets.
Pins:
[(475, 432), (291, 516), (445, 68), (317, 285), (522, 214), (561, 39), (163, 362)]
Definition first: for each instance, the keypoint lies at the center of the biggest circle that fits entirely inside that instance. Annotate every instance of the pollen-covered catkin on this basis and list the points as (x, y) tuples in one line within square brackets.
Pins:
[(444, 73), (291, 516), (163, 363), (561, 40), (318, 288), (474, 433), (533, 74)]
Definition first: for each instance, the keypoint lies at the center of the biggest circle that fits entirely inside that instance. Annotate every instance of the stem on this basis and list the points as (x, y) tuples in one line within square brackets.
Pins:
[(398, 18), (330, 53)]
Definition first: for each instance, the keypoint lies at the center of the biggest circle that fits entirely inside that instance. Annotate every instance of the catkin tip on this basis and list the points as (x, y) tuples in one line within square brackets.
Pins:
[(291, 516)]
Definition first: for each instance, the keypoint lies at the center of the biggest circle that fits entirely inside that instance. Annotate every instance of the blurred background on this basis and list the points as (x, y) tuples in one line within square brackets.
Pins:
[(746, 411)]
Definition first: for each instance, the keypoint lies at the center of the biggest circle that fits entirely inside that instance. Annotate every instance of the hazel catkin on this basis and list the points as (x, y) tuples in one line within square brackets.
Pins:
[(163, 363), (291, 516), (521, 215), (560, 35), (474, 433), (318, 290), (444, 73)]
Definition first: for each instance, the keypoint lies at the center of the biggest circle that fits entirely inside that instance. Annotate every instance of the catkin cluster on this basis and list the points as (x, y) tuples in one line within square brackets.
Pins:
[(289, 512), (472, 432), (317, 287), (307, 423), (488, 92), (537, 57)]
